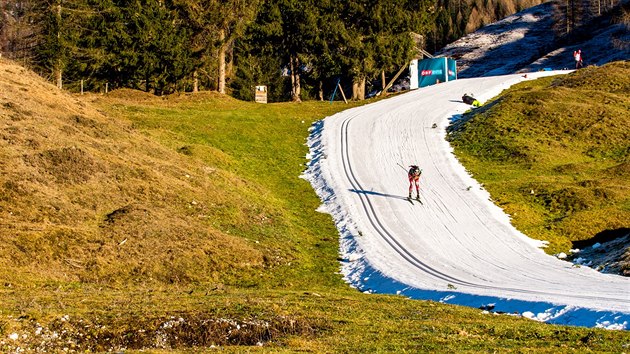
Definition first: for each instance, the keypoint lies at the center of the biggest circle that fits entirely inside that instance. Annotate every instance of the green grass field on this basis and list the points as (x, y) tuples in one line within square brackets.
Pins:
[(180, 224), (554, 153)]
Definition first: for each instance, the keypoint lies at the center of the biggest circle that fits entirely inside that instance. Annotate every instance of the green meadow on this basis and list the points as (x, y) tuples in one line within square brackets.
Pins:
[(179, 224)]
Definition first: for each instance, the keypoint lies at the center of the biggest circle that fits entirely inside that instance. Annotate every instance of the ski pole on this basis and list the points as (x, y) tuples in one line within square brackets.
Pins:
[(401, 166)]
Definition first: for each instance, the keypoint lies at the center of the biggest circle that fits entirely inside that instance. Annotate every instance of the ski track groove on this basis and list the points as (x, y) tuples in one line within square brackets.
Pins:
[(402, 251), (375, 221)]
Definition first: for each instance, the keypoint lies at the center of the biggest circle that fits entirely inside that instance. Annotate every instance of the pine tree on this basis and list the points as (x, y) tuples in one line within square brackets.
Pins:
[(107, 54), (214, 26), (159, 45), (257, 56), (56, 32), (379, 37), (328, 65)]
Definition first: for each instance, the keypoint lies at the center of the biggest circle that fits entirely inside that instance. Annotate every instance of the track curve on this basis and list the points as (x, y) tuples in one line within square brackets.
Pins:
[(457, 240)]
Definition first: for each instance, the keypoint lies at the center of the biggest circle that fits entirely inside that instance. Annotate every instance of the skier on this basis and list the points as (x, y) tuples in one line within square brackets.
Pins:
[(577, 55), (468, 98), (414, 176)]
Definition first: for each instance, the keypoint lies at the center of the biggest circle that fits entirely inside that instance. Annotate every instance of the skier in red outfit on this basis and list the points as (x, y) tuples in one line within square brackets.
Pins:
[(577, 55), (414, 176)]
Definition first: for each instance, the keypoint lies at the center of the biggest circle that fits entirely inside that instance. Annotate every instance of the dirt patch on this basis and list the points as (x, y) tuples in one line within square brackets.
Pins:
[(68, 165), (621, 170), (608, 252), (118, 214), (169, 332)]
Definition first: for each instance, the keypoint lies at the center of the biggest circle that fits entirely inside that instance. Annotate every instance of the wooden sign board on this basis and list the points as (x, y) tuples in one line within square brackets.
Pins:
[(261, 94)]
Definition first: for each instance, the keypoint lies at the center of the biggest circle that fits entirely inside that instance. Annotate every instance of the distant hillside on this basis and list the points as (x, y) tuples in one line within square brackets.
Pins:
[(531, 40), (486, 12)]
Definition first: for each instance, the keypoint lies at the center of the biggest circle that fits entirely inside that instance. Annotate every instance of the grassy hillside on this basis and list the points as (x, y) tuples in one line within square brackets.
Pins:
[(554, 153), (135, 222)]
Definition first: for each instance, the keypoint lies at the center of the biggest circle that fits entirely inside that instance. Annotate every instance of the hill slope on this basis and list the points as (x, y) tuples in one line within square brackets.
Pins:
[(149, 178), (88, 198), (554, 154)]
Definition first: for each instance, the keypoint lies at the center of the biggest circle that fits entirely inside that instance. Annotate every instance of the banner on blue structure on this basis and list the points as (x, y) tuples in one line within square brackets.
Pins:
[(432, 71)]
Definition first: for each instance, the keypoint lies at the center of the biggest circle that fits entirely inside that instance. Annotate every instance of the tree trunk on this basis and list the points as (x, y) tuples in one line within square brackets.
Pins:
[(321, 90), (195, 82), (222, 49), (58, 64), (57, 71), (362, 91), (295, 79), (229, 59), (358, 89)]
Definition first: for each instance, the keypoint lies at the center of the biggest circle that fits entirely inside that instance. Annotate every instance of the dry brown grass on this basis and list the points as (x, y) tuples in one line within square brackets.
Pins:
[(112, 242), (141, 98), (85, 197)]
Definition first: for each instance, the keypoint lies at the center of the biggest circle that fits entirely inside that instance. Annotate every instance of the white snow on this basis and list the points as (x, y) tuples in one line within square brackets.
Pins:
[(456, 247)]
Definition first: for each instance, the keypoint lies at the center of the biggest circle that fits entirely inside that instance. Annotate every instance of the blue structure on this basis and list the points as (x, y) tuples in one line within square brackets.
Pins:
[(432, 71)]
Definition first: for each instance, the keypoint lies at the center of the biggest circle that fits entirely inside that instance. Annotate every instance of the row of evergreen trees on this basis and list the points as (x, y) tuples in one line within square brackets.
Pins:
[(299, 48)]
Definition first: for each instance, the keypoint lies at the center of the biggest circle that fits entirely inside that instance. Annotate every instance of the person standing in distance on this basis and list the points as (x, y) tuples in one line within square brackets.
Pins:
[(577, 55)]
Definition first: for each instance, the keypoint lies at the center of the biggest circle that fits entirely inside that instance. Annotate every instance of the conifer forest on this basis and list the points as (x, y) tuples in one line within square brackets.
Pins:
[(300, 49)]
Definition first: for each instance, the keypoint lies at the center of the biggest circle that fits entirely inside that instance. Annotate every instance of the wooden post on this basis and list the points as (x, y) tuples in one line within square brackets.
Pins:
[(391, 82), (383, 81), (81, 86), (106, 87), (342, 94)]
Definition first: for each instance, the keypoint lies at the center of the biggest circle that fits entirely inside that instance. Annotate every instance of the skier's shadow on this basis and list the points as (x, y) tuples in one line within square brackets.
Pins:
[(377, 194)]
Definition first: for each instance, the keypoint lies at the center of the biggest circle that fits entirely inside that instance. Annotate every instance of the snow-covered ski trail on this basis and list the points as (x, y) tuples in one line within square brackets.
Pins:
[(456, 246)]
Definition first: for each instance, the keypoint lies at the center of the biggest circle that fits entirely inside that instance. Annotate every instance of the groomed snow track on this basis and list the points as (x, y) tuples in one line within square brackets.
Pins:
[(456, 246)]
